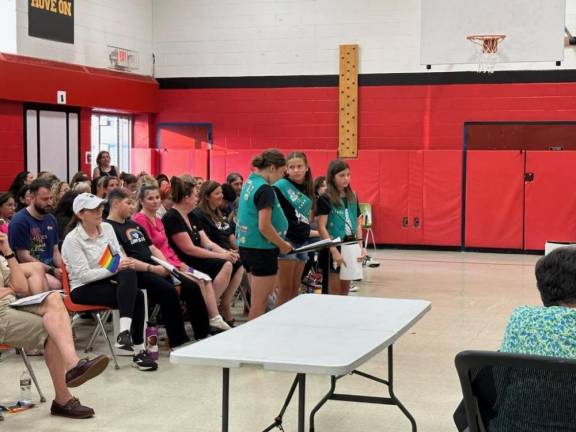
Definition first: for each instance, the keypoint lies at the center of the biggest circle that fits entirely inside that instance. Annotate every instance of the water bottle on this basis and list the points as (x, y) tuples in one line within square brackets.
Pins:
[(25, 386), (152, 340)]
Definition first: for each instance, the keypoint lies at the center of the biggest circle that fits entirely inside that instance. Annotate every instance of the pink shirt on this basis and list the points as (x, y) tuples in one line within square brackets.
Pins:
[(155, 231)]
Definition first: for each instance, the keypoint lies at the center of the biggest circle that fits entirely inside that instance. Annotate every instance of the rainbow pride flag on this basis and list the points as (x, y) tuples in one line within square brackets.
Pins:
[(109, 261)]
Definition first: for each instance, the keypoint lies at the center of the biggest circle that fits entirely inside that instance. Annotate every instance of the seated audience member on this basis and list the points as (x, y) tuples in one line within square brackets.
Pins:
[(228, 200), (110, 183), (64, 213), (45, 325), (153, 277), (548, 330), (193, 246), (236, 181), (7, 209), (165, 195), (79, 177), (23, 198), (59, 188), (33, 233), (82, 187), (149, 197), (23, 178), (104, 166), (101, 275), (130, 182)]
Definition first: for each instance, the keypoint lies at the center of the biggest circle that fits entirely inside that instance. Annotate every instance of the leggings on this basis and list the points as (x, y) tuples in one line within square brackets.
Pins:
[(161, 291), (118, 292), (196, 310)]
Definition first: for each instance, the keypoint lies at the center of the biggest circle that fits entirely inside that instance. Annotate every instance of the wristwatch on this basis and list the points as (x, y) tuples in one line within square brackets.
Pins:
[(9, 256)]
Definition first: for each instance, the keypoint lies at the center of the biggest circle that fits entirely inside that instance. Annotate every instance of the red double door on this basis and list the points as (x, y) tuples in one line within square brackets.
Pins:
[(519, 199)]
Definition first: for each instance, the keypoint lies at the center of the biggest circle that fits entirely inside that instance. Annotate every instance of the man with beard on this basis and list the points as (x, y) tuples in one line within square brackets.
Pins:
[(33, 233)]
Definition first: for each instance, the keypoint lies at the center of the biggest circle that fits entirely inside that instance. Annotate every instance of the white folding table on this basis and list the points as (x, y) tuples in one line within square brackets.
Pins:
[(312, 334)]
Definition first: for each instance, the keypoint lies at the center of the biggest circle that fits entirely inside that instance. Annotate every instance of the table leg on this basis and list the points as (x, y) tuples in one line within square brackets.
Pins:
[(391, 389), (301, 402), (326, 273), (225, 398)]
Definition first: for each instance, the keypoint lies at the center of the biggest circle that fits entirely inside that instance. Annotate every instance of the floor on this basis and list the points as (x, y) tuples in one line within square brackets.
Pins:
[(472, 295)]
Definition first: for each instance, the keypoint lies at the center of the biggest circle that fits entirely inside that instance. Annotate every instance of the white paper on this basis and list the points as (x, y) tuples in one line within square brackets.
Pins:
[(35, 299), (177, 273), (353, 268), (316, 244)]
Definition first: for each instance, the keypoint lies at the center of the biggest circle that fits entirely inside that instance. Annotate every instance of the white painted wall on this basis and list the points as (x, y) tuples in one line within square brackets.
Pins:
[(196, 38), (8, 26), (97, 24)]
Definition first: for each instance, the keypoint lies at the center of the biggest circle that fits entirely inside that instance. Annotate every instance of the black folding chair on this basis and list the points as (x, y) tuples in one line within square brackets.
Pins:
[(506, 392)]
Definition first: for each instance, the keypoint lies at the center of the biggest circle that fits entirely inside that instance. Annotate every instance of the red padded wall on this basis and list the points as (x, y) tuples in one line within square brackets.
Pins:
[(550, 201), (11, 142), (442, 198), (494, 199)]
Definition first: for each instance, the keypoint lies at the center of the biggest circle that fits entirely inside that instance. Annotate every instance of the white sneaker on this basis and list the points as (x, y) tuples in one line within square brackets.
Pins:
[(219, 323), (353, 288), (371, 262)]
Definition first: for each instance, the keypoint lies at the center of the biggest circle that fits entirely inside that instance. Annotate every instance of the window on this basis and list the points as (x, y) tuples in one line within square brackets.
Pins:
[(112, 133)]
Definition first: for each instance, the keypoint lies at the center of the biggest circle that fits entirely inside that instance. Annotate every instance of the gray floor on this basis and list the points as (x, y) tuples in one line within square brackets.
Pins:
[(472, 295)]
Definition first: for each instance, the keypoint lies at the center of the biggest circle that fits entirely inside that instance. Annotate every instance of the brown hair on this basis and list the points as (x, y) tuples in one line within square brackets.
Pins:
[(336, 166), (182, 187), (308, 179), (99, 158), (207, 188), (268, 158)]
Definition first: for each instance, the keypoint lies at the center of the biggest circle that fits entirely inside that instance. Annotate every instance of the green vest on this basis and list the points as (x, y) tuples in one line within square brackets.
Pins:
[(337, 219), (247, 231), (301, 202)]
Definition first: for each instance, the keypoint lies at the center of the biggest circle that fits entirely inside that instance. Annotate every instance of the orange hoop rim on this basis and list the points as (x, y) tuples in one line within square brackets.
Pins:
[(489, 43)]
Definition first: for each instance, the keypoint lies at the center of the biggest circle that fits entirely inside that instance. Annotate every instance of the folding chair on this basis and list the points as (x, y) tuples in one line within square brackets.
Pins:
[(29, 367), (98, 311), (366, 213), (516, 392)]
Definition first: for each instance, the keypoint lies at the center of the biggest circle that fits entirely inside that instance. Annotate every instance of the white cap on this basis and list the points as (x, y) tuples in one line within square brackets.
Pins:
[(86, 201)]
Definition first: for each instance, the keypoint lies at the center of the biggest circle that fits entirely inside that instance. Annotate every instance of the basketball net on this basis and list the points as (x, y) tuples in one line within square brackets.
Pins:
[(488, 53)]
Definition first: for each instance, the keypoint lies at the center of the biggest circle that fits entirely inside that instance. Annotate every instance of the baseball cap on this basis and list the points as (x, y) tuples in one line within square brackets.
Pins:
[(86, 201)]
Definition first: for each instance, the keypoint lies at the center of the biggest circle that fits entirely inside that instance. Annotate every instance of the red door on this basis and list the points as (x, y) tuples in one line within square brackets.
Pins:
[(494, 199), (550, 206)]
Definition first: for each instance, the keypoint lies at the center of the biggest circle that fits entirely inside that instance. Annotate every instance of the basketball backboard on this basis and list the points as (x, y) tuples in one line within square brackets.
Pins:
[(534, 30)]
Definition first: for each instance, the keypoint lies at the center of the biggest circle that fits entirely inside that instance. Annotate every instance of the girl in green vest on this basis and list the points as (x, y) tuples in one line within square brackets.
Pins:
[(261, 225), (295, 193), (338, 216)]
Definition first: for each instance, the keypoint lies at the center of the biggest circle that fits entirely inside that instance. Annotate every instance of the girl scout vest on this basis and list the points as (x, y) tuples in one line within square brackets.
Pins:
[(301, 202), (247, 231), (338, 221)]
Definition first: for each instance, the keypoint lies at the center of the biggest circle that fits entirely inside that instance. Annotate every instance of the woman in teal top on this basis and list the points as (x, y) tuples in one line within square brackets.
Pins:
[(546, 331), (261, 225), (339, 216)]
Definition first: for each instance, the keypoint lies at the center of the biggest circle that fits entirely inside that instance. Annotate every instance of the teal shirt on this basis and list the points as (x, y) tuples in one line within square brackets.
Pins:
[(545, 331)]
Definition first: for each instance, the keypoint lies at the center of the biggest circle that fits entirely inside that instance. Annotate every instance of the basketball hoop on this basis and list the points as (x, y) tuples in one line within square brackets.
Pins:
[(488, 54)]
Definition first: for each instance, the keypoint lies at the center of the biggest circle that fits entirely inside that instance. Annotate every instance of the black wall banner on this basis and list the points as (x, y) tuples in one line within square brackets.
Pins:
[(51, 19)]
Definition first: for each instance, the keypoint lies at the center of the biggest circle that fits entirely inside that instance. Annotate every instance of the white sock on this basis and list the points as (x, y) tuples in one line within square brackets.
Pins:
[(138, 348), (215, 317), (125, 324)]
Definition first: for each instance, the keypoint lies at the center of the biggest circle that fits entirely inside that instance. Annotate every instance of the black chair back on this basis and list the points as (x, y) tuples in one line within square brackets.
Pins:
[(506, 392)]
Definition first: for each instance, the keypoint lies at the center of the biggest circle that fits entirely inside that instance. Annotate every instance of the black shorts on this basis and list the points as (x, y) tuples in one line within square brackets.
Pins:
[(260, 262)]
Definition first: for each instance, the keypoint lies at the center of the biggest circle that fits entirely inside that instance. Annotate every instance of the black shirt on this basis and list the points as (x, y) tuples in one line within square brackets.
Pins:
[(174, 223), (218, 232), (298, 231), (133, 239), (264, 197)]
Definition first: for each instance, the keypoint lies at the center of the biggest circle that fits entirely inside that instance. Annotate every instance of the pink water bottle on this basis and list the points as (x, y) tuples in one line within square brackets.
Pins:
[(152, 340)]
